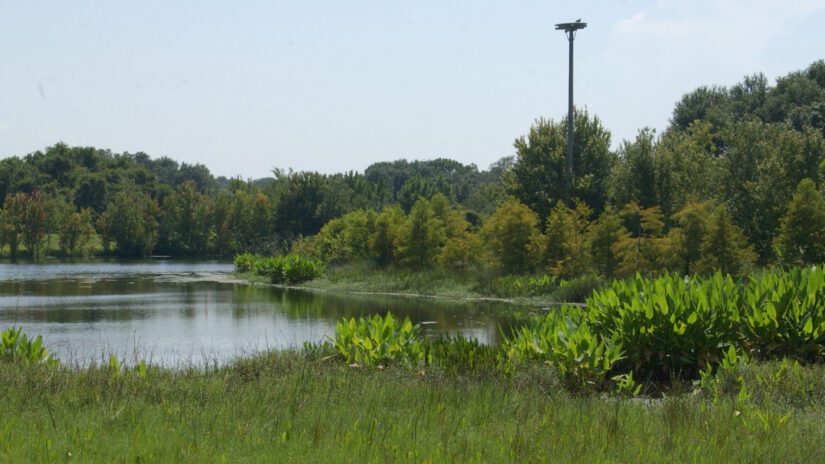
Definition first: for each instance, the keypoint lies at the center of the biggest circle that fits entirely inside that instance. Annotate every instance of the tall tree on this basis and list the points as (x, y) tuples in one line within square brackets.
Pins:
[(538, 177), (633, 178)]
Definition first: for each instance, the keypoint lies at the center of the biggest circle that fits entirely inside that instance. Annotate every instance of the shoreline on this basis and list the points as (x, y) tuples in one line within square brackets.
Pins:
[(542, 303)]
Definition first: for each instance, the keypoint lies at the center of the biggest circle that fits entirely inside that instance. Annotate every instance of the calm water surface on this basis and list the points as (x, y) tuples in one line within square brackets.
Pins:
[(181, 313)]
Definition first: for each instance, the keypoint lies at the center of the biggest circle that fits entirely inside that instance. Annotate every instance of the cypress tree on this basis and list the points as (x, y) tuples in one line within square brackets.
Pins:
[(801, 238), (725, 248)]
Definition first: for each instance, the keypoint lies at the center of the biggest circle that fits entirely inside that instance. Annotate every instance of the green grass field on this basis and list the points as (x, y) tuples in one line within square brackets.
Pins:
[(293, 407)]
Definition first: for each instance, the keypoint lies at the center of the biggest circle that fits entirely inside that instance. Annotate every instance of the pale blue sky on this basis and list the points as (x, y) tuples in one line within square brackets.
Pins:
[(336, 85)]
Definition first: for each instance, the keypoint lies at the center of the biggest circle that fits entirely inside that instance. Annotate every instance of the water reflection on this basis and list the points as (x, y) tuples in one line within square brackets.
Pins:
[(173, 312)]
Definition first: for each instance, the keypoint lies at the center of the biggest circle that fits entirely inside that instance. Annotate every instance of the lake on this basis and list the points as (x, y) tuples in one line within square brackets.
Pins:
[(178, 313)]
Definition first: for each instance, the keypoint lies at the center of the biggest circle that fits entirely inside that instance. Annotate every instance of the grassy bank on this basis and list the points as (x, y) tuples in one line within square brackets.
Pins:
[(366, 278), (301, 407)]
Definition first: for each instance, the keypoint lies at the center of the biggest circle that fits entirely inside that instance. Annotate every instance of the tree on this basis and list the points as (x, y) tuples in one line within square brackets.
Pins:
[(74, 229), (763, 165), (185, 225), (801, 238), (641, 251), (688, 167), (605, 233), (14, 209), (421, 236), (566, 240), (725, 248), (633, 178), (34, 221), (512, 239), (297, 201), (357, 228), (684, 242), (460, 251), (420, 187), (538, 178), (132, 223), (384, 238)]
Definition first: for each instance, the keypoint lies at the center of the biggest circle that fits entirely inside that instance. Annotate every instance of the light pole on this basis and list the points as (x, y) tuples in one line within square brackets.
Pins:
[(570, 31)]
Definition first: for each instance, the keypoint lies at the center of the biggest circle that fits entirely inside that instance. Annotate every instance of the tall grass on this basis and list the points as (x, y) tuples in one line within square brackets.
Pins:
[(287, 407)]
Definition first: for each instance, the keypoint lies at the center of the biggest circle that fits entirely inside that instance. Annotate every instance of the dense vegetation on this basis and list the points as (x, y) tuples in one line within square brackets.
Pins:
[(725, 187), (381, 392), (290, 269), (659, 330)]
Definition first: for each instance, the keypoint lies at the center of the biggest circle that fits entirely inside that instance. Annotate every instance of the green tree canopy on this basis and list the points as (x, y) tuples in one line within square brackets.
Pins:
[(538, 177)]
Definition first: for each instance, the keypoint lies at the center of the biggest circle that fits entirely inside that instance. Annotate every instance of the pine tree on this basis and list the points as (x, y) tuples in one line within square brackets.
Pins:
[(801, 238)]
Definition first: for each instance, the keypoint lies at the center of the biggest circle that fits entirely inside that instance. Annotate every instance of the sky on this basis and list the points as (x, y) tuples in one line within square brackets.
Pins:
[(330, 86)]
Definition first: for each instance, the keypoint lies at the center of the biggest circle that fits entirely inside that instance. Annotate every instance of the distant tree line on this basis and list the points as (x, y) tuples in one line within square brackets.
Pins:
[(132, 205)]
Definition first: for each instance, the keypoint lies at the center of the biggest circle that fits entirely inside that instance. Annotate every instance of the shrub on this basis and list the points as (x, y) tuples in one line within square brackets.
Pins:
[(245, 262), (297, 269), (292, 269)]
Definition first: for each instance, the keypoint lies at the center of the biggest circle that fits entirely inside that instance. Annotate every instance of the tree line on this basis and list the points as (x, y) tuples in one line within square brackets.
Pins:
[(574, 241), (730, 162)]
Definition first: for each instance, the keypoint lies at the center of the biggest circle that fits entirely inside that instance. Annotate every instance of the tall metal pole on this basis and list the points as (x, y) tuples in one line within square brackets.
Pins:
[(570, 118), (570, 30)]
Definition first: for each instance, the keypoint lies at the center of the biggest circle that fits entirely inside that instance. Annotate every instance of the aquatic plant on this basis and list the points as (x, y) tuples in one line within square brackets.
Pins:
[(17, 347), (377, 340)]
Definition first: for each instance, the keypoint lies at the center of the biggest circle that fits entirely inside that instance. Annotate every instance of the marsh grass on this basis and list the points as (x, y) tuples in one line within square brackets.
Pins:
[(306, 407)]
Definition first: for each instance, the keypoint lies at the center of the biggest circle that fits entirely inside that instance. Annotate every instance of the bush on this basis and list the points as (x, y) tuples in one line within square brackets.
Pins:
[(245, 262), (292, 269), (297, 269)]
